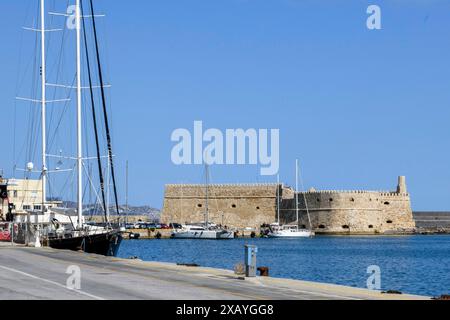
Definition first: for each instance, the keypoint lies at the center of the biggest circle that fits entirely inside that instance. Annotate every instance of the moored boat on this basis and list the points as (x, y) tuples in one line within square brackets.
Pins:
[(205, 229), (289, 231), (104, 242), (62, 229), (202, 232), (293, 230)]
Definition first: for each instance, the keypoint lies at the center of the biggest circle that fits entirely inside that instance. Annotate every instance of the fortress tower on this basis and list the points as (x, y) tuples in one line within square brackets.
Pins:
[(355, 211), (401, 187)]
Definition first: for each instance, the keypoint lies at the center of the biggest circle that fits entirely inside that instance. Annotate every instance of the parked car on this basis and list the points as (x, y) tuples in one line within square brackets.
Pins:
[(132, 226), (164, 226), (174, 225), (5, 234)]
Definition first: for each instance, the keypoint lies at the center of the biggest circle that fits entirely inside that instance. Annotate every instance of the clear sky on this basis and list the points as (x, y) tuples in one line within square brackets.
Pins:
[(358, 107)]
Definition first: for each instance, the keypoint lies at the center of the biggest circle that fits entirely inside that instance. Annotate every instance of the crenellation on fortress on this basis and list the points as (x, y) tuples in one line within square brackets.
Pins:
[(331, 211), (384, 192)]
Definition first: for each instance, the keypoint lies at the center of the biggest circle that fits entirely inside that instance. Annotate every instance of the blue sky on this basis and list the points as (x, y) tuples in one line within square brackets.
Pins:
[(358, 107)]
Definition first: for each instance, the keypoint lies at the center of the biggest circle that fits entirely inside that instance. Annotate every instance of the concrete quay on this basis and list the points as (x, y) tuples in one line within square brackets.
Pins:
[(40, 273)]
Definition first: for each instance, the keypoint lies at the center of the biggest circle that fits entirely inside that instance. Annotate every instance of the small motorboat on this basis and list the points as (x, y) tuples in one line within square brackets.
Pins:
[(202, 232)]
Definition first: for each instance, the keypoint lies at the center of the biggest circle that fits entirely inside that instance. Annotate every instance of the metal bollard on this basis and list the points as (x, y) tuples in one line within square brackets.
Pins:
[(250, 260), (263, 271)]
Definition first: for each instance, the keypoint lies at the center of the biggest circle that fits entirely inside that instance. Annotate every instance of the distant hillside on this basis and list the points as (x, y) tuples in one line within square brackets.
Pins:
[(153, 213)]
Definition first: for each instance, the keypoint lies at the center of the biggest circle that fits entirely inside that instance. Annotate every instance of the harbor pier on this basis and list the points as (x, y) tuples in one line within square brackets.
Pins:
[(43, 273)]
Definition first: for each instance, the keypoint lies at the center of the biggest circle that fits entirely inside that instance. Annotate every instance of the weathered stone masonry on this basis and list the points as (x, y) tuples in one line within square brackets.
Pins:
[(239, 205), (341, 212)]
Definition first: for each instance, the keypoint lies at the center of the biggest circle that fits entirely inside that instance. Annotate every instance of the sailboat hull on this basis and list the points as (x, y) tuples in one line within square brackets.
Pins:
[(106, 244), (291, 234)]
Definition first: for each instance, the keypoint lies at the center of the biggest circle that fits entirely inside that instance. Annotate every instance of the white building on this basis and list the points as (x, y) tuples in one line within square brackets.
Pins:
[(25, 195)]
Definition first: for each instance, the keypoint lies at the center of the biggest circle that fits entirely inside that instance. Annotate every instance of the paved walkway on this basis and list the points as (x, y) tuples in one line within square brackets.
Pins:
[(31, 273)]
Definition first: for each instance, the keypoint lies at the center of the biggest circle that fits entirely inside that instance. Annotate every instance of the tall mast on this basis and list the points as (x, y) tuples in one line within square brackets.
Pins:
[(306, 202), (43, 111), (296, 190), (108, 180), (126, 195), (79, 128), (278, 199), (207, 191)]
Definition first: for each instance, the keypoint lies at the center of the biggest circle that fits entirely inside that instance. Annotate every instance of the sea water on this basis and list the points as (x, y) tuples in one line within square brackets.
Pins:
[(410, 264)]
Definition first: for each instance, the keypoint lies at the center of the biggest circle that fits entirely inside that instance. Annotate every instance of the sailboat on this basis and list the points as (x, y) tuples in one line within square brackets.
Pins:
[(77, 235), (290, 230), (205, 229)]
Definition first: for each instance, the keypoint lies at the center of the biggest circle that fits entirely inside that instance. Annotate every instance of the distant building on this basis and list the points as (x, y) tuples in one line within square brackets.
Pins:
[(25, 195), (333, 212)]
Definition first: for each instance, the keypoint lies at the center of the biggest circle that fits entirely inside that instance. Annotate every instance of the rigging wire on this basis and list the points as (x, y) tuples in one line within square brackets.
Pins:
[(17, 89), (94, 118), (105, 115), (33, 131)]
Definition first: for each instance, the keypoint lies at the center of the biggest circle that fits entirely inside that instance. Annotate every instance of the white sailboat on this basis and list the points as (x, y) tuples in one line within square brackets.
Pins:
[(205, 229), (292, 230)]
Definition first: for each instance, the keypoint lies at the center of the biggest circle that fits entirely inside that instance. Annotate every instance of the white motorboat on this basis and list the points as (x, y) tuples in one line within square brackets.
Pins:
[(205, 229), (202, 232)]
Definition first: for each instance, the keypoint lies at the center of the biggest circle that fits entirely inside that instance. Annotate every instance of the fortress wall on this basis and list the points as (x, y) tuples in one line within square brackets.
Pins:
[(221, 190), (241, 206), (335, 211), (351, 211), (397, 212), (236, 206)]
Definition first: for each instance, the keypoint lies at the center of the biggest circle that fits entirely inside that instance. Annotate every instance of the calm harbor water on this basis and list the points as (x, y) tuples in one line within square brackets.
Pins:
[(411, 264)]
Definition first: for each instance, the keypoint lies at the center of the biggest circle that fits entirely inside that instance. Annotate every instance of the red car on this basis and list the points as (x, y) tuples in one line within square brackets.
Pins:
[(164, 226), (5, 235)]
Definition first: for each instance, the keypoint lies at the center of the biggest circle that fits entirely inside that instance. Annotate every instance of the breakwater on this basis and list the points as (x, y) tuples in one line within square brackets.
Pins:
[(432, 221)]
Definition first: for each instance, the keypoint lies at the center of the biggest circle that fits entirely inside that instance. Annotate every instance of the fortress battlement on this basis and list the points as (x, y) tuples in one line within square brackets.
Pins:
[(382, 193), (223, 185)]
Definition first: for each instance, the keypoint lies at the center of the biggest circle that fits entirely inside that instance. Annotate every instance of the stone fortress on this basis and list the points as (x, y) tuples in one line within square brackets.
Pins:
[(248, 206)]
